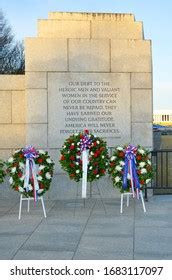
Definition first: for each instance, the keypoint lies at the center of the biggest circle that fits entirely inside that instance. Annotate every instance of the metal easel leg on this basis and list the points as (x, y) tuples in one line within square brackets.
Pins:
[(28, 205), (143, 203), (122, 198), (20, 206), (43, 207), (128, 200)]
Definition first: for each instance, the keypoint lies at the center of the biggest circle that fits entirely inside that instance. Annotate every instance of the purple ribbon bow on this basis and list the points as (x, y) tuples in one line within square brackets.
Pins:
[(130, 168), (30, 152), (85, 143)]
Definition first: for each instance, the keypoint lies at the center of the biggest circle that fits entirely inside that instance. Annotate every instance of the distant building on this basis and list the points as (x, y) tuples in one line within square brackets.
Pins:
[(163, 117)]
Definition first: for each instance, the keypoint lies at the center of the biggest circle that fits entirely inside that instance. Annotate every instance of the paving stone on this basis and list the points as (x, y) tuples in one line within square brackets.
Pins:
[(43, 255), (72, 231)]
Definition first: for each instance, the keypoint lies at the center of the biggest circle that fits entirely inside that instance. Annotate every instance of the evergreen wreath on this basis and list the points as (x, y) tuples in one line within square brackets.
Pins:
[(143, 167), (16, 167), (71, 157)]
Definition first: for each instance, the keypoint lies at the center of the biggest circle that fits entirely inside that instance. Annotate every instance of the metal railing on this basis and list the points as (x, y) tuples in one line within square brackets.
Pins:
[(162, 165)]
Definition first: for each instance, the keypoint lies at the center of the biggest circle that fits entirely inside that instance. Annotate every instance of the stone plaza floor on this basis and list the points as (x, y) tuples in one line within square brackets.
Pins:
[(96, 231)]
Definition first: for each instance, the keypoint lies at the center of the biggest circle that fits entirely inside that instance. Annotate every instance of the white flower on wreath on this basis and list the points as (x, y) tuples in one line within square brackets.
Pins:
[(48, 175), (143, 171), (48, 160), (40, 191), (112, 158), (122, 163), (141, 151), (11, 159), (76, 134), (119, 148), (103, 156), (77, 156), (98, 142), (21, 164), (11, 180), (39, 178), (117, 179), (30, 187), (149, 162), (21, 189), (91, 153), (22, 178), (97, 176), (77, 171), (13, 170), (118, 168), (41, 152), (41, 167), (77, 163), (16, 151), (90, 168), (142, 164), (78, 143), (148, 181)]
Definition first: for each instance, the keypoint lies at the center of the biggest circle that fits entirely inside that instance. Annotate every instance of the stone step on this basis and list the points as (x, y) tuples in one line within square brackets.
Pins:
[(91, 16), (90, 29)]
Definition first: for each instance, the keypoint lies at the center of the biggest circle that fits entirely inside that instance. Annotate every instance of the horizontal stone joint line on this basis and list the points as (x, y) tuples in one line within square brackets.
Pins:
[(141, 122), (141, 88)]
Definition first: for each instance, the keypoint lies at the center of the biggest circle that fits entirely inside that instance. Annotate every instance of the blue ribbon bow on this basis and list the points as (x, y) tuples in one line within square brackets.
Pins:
[(130, 167), (85, 143), (30, 154)]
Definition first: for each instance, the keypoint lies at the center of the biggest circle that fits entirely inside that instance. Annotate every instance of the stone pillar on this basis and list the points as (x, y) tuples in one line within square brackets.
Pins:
[(98, 53)]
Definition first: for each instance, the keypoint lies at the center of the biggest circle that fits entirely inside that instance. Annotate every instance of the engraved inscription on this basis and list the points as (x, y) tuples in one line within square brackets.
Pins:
[(99, 102), (89, 104)]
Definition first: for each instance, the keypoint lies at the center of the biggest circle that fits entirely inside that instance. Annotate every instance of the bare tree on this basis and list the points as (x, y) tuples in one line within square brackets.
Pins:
[(11, 51)]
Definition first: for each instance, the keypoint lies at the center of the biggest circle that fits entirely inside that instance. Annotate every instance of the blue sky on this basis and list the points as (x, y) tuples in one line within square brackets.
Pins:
[(155, 14)]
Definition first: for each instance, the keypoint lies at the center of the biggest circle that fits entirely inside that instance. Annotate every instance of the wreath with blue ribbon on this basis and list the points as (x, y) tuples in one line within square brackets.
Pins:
[(30, 171), (71, 156), (130, 168)]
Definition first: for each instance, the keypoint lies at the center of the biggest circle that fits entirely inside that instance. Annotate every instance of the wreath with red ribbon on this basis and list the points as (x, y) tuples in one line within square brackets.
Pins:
[(71, 156), (16, 167)]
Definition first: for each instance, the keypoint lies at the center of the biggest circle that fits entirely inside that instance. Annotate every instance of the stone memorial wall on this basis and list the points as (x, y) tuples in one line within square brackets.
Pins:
[(83, 70), (89, 70)]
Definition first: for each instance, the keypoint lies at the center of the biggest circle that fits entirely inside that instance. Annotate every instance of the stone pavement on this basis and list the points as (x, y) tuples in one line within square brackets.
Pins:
[(96, 231)]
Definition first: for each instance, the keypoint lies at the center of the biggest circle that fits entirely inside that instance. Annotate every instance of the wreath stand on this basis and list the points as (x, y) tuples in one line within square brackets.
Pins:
[(128, 199), (28, 204), (90, 196)]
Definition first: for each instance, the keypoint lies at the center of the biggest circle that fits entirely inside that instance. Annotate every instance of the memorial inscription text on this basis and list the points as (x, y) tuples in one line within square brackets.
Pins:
[(89, 104), (99, 102)]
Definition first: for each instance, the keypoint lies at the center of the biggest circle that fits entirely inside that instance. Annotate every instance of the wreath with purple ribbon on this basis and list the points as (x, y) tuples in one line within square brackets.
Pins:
[(71, 156), (34, 164), (130, 168)]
